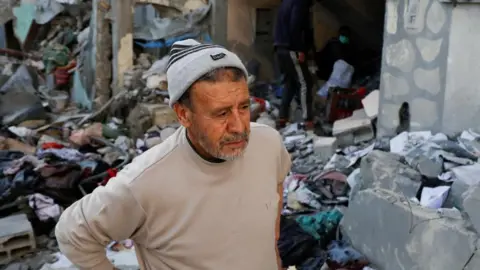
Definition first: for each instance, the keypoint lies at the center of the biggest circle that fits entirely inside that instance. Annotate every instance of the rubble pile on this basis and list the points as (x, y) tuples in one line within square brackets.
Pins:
[(53, 149), (147, 75), (404, 201)]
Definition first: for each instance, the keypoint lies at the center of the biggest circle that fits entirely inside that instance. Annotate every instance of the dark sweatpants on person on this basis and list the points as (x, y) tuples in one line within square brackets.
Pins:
[(294, 36), (298, 84)]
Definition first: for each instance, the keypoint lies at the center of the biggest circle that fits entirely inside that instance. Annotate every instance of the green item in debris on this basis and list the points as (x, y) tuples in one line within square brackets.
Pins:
[(111, 133), (55, 56), (320, 224)]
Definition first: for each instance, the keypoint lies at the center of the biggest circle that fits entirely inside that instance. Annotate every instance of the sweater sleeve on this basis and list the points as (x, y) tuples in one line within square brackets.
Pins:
[(285, 162), (90, 224)]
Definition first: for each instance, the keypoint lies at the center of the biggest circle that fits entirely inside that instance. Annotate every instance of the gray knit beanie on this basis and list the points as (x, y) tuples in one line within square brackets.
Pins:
[(189, 60)]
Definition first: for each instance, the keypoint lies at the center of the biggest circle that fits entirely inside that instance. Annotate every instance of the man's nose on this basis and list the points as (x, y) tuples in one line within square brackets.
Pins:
[(235, 124)]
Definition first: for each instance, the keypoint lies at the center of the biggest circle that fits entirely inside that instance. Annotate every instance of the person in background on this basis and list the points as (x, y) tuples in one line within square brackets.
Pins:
[(338, 47), (208, 197), (293, 40)]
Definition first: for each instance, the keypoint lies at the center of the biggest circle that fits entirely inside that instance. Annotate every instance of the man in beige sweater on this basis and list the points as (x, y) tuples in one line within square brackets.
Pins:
[(208, 198)]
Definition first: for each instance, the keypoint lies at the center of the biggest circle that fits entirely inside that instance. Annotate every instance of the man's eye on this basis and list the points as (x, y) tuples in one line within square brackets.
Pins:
[(245, 107), (222, 114)]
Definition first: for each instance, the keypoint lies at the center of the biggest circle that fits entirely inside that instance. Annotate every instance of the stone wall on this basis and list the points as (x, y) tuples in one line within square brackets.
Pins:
[(414, 64), (462, 95), (432, 63)]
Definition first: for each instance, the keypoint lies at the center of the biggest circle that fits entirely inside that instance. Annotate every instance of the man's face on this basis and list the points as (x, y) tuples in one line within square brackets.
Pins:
[(219, 119)]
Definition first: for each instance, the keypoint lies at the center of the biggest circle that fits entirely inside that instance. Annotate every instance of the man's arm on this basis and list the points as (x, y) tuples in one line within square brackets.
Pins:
[(90, 224)]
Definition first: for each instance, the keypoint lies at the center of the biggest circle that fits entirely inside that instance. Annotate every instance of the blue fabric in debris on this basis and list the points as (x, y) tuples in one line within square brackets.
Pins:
[(342, 253), (169, 42), (321, 223)]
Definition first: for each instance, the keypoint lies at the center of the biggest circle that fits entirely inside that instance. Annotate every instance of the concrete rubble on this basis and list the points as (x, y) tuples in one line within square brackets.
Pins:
[(411, 200), (65, 126), (398, 234)]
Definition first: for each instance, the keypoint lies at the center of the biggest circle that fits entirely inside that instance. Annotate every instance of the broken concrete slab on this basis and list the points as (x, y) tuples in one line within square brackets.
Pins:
[(397, 234), (16, 237), (474, 263), (386, 170), (354, 129), (161, 114), (425, 166), (359, 114), (349, 125), (471, 204), (324, 147), (371, 103), (466, 177), (139, 121)]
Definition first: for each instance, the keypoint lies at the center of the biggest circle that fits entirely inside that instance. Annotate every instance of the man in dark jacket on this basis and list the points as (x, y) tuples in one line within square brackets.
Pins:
[(293, 41), (337, 48)]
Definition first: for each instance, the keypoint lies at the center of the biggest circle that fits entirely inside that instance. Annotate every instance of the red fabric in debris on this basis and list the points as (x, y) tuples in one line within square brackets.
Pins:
[(262, 103), (111, 173), (52, 145)]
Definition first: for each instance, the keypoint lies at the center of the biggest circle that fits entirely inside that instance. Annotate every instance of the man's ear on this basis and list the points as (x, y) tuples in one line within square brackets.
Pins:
[(184, 114)]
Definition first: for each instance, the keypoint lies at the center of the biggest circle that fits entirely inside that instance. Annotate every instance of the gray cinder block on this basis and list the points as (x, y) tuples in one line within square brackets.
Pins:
[(397, 234)]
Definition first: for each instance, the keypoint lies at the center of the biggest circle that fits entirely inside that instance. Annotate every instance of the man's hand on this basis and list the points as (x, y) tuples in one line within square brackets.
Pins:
[(301, 57)]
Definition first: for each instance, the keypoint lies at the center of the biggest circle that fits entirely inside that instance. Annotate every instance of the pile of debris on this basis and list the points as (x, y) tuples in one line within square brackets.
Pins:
[(396, 203), (55, 145)]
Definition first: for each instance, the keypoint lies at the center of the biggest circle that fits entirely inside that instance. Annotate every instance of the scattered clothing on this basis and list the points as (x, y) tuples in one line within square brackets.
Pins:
[(65, 153), (321, 224), (45, 208), (294, 245)]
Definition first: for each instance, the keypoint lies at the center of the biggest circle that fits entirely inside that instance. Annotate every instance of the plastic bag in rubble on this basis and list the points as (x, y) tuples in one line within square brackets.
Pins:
[(341, 77)]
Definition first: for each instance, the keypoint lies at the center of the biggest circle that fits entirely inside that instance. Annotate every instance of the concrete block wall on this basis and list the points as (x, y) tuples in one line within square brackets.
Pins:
[(16, 238), (430, 61), (414, 63)]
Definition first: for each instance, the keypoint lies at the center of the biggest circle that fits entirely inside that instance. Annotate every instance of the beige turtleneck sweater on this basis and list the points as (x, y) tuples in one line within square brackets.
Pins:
[(183, 212)]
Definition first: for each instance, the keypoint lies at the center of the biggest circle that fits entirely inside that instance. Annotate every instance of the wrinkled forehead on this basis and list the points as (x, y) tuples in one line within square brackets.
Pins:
[(223, 94)]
